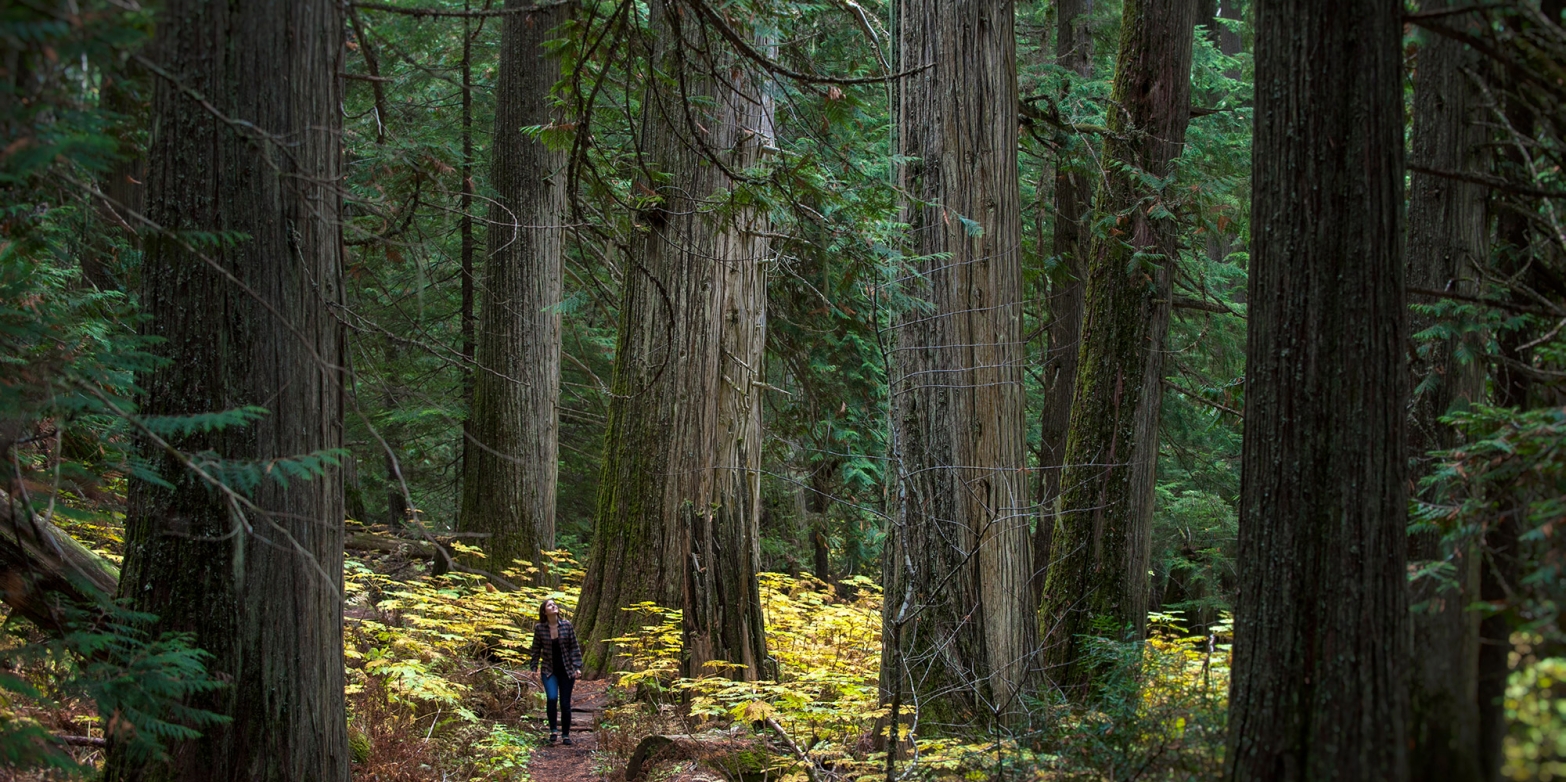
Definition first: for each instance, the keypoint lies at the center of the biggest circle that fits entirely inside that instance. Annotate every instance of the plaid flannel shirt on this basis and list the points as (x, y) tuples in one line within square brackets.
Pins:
[(570, 650)]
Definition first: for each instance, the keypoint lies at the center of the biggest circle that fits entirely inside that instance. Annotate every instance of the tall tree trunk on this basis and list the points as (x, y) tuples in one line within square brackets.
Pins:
[(1229, 41), (124, 187), (1513, 388), (1319, 688), (261, 591), (816, 507), (1447, 238), (958, 558), (1103, 536), (678, 520), (1073, 199), (510, 456), (465, 226)]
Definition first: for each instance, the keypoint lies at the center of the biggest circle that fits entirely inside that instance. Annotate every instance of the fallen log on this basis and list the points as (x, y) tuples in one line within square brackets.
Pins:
[(40, 564), (435, 548), (647, 748), (736, 758), (388, 544), (83, 741)]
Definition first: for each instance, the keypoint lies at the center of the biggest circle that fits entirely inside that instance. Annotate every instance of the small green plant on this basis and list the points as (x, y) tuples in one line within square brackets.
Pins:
[(142, 686), (503, 755)]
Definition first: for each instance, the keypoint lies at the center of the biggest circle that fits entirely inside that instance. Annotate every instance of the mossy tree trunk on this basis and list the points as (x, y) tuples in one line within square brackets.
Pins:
[(958, 557), (1447, 239), (678, 520), (1098, 580), (1319, 687), (510, 451), (246, 138), (1073, 200)]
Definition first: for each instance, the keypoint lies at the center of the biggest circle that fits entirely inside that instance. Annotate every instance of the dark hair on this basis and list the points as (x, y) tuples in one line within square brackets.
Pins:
[(542, 617)]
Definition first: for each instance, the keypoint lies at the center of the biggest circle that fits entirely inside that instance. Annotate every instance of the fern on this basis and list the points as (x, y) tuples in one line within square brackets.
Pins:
[(143, 687), (184, 425)]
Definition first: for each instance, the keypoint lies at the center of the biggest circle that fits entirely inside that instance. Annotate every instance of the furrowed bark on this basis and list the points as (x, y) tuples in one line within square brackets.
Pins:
[(1319, 688), (1447, 237), (959, 544), (678, 520), (510, 455), (247, 139), (1103, 536)]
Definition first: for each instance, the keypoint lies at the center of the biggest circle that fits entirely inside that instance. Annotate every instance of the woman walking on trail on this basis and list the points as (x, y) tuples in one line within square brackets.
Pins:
[(558, 659)]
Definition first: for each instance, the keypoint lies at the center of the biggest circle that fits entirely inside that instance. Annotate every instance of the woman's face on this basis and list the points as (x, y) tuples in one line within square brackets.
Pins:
[(550, 610)]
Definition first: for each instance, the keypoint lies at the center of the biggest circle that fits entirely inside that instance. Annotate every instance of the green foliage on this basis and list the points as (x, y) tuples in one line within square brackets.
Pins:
[(176, 426), (143, 685), (438, 658), (1512, 465), (827, 653), (427, 656), (47, 116), (504, 755), (1510, 470), (1159, 712), (1536, 711), (1194, 539), (1195, 517)]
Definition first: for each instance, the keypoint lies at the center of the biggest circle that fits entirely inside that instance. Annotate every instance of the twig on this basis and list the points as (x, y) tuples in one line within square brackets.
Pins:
[(82, 741), (1499, 304), (1440, 12), (810, 764), (1494, 183), (1204, 400), (1188, 303), (441, 12), (782, 70)]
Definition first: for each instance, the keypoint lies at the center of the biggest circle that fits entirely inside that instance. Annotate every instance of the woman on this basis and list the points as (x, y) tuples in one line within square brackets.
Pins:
[(558, 659)]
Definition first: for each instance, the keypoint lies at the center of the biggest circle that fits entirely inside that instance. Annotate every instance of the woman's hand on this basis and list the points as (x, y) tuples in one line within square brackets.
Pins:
[(576, 674)]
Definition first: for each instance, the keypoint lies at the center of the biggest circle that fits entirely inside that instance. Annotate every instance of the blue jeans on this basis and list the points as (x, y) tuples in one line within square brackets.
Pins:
[(557, 695)]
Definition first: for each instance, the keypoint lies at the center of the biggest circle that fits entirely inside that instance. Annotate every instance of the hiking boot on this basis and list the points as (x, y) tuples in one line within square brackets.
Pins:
[(566, 741), (552, 737)]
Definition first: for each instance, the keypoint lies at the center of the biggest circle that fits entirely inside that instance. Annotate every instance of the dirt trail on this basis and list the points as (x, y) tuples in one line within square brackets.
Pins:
[(560, 763)]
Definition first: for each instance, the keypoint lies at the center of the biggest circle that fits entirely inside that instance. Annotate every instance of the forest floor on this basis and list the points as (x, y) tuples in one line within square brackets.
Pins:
[(560, 763)]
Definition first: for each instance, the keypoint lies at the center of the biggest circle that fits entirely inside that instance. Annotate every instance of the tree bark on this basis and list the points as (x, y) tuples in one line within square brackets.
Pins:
[(1073, 200), (247, 135), (1319, 688), (816, 508), (1103, 537), (1229, 41), (1447, 238), (678, 520), (1513, 388), (124, 183), (958, 559), (510, 456), (399, 507), (465, 226)]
